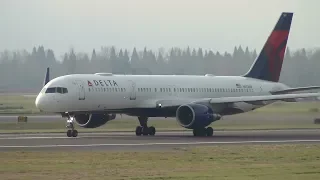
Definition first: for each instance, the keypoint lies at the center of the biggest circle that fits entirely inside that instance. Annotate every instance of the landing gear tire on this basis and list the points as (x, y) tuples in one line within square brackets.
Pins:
[(145, 131), (152, 131), (201, 132), (69, 133), (72, 133), (138, 130), (209, 131)]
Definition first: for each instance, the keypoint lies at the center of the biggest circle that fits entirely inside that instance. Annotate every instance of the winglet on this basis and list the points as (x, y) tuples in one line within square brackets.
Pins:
[(47, 77), (268, 64)]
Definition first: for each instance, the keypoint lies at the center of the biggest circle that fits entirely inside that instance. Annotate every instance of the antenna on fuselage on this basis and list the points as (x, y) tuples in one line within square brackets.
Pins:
[(47, 77)]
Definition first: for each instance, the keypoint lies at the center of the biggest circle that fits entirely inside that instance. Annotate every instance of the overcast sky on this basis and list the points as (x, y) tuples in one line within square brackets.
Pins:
[(210, 24)]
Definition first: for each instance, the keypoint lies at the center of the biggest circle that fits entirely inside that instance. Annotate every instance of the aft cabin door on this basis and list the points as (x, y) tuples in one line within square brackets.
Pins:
[(80, 85), (132, 90)]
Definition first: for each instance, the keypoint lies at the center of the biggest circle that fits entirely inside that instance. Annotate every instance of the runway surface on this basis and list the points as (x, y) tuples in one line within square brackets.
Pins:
[(160, 142)]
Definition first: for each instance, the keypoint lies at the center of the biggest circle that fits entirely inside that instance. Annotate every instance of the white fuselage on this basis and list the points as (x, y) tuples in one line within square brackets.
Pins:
[(116, 93)]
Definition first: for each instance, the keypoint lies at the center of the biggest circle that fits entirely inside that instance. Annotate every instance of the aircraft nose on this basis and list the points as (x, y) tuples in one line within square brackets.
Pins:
[(39, 102)]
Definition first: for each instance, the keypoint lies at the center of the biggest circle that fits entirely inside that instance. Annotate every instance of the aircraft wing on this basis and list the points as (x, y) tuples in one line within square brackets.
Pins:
[(225, 100), (289, 90), (257, 99)]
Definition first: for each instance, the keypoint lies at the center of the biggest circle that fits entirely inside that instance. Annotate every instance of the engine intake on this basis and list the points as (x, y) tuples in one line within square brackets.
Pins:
[(93, 120), (192, 116)]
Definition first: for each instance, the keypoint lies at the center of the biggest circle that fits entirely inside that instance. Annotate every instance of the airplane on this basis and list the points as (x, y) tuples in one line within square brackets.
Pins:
[(196, 101)]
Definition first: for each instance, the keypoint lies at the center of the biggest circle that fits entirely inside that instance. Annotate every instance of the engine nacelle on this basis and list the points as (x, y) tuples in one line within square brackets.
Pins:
[(93, 120), (195, 115)]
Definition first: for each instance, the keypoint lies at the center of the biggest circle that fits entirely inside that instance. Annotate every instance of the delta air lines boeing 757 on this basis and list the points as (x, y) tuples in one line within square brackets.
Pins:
[(91, 100)]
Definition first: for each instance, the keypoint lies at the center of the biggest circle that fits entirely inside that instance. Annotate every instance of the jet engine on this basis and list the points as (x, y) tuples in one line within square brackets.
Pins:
[(193, 116), (93, 120)]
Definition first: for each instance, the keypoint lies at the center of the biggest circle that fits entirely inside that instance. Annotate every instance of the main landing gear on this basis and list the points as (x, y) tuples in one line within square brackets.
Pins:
[(203, 131), (143, 129), (71, 131)]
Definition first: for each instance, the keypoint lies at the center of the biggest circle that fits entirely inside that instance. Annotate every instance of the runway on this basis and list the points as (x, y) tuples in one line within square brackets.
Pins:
[(127, 141)]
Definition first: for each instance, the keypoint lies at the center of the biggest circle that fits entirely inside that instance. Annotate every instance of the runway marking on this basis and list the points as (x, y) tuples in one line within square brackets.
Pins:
[(166, 143)]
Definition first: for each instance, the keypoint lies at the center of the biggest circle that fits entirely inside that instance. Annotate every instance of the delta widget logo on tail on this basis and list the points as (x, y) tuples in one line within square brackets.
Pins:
[(101, 83)]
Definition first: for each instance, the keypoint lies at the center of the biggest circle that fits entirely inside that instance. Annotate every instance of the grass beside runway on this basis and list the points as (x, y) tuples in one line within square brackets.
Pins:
[(17, 104), (245, 162), (160, 124)]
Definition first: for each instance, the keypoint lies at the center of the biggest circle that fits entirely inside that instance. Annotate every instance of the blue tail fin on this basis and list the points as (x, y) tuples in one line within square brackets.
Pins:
[(268, 64), (47, 77)]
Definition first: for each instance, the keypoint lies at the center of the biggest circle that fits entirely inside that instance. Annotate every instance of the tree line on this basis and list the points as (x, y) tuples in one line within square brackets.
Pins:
[(24, 71)]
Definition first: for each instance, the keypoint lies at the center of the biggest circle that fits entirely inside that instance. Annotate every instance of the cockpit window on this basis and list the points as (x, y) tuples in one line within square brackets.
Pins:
[(64, 90), (51, 90), (60, 90)]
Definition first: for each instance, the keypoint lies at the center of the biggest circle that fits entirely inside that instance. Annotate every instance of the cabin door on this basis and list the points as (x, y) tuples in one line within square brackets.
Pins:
[(174, 90), (80, 85), (132, 90)]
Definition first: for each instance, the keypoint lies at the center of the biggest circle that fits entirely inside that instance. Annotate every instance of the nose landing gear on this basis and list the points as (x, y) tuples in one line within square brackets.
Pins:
[(70, 124)]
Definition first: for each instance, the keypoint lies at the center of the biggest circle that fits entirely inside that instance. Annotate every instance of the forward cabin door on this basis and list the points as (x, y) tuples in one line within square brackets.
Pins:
[(132, 90), (82, 94)]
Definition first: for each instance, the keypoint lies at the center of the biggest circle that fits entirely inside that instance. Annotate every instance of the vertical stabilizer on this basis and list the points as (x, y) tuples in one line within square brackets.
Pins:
[(268, 64)]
